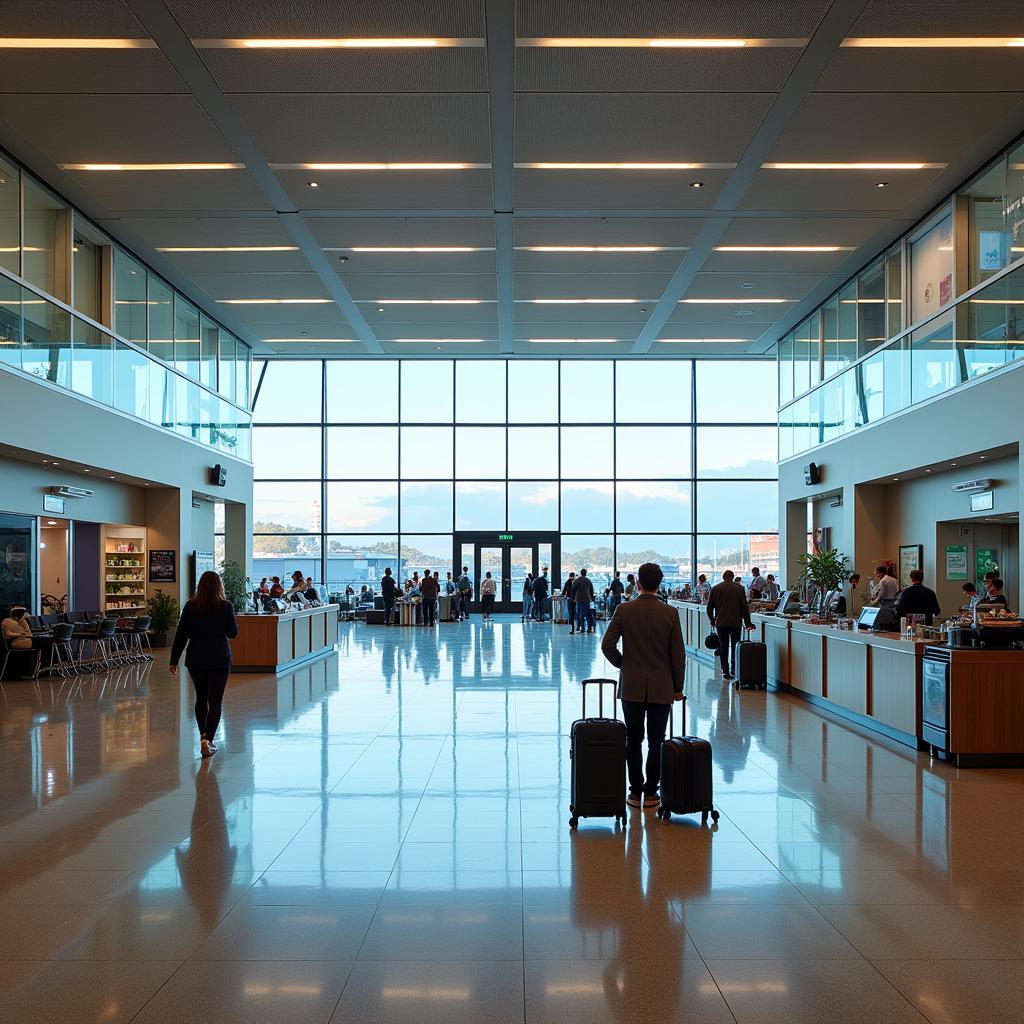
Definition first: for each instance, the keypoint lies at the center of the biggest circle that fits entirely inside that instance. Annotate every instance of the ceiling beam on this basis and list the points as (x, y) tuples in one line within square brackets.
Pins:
[(178, 50), (501, 70), (820, 49)]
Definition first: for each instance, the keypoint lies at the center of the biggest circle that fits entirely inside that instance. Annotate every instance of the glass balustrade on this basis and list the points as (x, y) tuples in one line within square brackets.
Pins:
[(981, 332), (45, 340)]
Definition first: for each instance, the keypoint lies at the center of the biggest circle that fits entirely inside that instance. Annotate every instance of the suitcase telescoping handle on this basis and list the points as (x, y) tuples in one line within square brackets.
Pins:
[(671, 715), (600, 684)]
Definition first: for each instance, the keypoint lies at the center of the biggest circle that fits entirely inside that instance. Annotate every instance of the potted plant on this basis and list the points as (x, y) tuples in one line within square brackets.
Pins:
[(237, 586), (163, 610), (827, 569)]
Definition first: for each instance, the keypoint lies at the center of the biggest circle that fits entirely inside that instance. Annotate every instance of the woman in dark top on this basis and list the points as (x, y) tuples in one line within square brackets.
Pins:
[(207, 623)]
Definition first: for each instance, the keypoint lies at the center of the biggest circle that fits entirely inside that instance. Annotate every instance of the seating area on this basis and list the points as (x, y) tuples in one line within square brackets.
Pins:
[(77, 643)]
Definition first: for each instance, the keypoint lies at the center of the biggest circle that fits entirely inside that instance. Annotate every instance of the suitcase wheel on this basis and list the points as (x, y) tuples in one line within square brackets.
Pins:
[(664, 813), (573, 821)]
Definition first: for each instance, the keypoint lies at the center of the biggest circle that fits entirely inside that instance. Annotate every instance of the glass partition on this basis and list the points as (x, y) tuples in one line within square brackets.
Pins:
[(45, 240), (129, 298), (10, 217)]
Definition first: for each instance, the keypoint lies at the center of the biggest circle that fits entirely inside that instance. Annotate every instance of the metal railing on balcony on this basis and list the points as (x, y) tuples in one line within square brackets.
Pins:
[(983, 331), (52, 343)]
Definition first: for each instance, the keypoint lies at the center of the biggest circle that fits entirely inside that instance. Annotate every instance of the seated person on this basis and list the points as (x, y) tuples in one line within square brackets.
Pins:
[(995, 593), (311, 593), (276, 590), (297, 590), (971, 597), (16, 630), (264, 588)]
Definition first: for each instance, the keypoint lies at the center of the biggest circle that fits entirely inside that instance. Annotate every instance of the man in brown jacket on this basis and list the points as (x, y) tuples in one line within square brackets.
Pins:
[(652, 667), (728, 611), (429, 588)]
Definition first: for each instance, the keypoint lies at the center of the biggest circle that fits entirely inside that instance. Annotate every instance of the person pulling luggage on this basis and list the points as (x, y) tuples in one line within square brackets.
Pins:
[(652, 669), (729, 612)]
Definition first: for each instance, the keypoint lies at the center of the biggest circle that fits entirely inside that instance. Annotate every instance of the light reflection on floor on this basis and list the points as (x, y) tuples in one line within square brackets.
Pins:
[(383, 837)]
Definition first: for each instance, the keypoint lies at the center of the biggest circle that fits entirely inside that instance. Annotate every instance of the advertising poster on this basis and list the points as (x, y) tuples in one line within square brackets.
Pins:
[(956, 561), (162, 566), (910, 559)]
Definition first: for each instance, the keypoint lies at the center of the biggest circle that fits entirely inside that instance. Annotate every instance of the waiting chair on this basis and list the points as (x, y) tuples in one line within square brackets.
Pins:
[(16, 652), (62, 653)]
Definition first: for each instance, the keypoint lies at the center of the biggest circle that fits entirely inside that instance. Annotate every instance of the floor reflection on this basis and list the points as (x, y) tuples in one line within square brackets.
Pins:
[(383, 835)]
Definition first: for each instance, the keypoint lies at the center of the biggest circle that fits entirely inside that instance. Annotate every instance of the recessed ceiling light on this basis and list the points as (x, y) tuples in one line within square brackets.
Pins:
[(572, 341), (628, 166), (895, 478), (418, 165), (339, 43), (599, 248), (933, 42), (952, 463), (312, 184), (867, 166), (881, 184), (54, 463), (432, 302), (927, 470), (784, 248), (274, 302), (145, 485), (438, 341), (581, 302), (51, 522), (227, 248), (413, 248), (703, 341), (112, 478), (380, 309), (668, 42), (726, 302), (88, 43), (744, 312), (747, 284), (153, 167), (343, 259), (45, 461), (86, 470), (982, 456), (696, 184)]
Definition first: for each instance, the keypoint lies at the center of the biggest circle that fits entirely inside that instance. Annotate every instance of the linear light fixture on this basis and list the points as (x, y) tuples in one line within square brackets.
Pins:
[(933, 42), (601, 248), (573, 341), (274, 302), (153, 167), (338, 43), (410, 248), (784, 248), (665, 43), (632, 165), (704, 341), (419, 165), (437, 341), (743, 301), (21, 248), (427, 302), (227, 248), (868, 166), (308, 341), (80, 43), (582, 302)]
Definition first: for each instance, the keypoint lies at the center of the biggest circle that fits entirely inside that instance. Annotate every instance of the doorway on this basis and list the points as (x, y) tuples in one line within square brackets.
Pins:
[(508, 557)]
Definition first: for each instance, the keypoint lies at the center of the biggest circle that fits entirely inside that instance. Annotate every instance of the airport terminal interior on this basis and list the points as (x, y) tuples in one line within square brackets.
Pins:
[(524, 295)]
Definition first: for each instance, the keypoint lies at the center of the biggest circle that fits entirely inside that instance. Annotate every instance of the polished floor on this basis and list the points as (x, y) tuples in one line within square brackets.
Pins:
[(382, 837)]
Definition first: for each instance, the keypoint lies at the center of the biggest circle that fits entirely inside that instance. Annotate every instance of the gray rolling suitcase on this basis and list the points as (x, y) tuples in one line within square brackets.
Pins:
[(686, 784), (751, 665), (597, 748)]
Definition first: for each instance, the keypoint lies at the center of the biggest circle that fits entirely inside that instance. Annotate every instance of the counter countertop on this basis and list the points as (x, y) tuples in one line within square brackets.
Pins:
[(299, 613)]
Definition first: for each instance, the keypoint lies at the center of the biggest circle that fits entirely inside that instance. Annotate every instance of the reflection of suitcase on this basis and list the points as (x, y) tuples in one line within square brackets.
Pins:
[(374, 617), (598, 751), (686, 786), (751, 665)]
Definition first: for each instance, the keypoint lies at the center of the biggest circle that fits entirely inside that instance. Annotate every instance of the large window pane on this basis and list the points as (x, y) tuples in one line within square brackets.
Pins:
[(588, 505), (653, 505), (362, 453), (736, 452), (533, 505), (479, 506), (291, 392), (360, 560), (587, 453), (672, 553), (209, 352), (129, 298), (739, 552), (226, 375), (652, 391), (286, 508), (86, 279), (362, 390), (131, 381), (480, 453), (286, 453), (427, 452), (587, 391), (532, 452), (282, 555), (532, 391), (426, 506), (186, 337), (356, 507), (480, 391), (737, 507), (738, 391), (931, 270), (161, 319), (653, 452), (47, 340), (10, 217), (593, 552), (46, 224), (427, 390), (433, 553), (92, 363)]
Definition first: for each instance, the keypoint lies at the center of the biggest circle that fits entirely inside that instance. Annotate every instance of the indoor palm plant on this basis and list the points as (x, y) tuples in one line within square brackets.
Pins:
[(827, 569), (236, 586), (163, 610)]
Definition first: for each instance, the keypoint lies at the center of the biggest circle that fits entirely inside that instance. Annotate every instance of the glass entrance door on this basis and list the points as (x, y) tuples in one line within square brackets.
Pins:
[(508, 558)]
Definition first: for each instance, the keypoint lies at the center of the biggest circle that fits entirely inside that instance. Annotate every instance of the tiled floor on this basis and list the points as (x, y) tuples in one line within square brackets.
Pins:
[(382, 837)]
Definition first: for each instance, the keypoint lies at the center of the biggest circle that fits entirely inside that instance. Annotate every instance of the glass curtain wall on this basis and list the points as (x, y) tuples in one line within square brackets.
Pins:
[(383, 461)]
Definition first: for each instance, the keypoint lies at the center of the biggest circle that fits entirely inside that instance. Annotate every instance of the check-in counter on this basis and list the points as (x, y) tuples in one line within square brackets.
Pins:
[(278, 643)]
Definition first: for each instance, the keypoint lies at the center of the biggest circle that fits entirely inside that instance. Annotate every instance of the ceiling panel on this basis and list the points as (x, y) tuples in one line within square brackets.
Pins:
[(721, 321), (331, 231), (545, 69), (305, 127), (167, 191), (117, 129), (110, 18), (578, 316), (767, 285), (617, 190), (423, 285), (489, 347), (286, 321), (92, 71), (854, 69), (415, 265), (215, 19), (840, 191), (391, 190), (159, 231), (605, 230), (802, 230), (437, 329), (227, 284), (334, 327), (756, 266), (598, 329), (446, 69), (938, 18), (657, 127), (607, 284), (415, 319), (238, 264), (748, 18), (604, 267), (318, 349)]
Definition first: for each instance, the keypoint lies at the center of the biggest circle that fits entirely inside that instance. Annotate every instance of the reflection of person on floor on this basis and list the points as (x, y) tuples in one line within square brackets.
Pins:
[(207, 863), (730, 743), (426, 655)]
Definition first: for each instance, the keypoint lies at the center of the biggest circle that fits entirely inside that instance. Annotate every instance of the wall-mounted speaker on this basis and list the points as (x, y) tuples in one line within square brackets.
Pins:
[(812, 474), (219, 476)]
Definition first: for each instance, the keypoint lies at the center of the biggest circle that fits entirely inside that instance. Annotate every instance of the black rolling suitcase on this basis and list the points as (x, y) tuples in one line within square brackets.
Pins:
[(751, 665), (686, 777), (597, 748)]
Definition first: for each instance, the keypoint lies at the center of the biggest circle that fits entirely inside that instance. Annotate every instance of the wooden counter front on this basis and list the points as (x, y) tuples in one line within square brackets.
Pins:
[(277, 643)]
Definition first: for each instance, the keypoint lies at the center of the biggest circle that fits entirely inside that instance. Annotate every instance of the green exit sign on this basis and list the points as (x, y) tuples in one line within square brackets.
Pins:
[(506, 536)]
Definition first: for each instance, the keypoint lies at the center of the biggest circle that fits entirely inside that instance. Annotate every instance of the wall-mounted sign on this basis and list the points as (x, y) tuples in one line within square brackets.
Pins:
[(983, 502), (162, 566), (54, 505), (956, 561), (506, 536)]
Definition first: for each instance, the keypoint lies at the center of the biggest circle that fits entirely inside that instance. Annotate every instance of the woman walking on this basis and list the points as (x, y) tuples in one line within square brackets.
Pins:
[(487, 590), (207, 623)]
